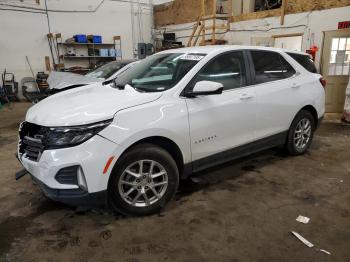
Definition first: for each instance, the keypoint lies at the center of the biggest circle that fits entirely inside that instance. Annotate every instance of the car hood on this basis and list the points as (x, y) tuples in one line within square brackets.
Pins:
[(61, 80), (85, 105)]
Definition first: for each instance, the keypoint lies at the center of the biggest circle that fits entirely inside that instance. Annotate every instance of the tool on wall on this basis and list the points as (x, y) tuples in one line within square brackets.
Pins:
[(58, 39), (31, 70), (53, 48), (47, 63)]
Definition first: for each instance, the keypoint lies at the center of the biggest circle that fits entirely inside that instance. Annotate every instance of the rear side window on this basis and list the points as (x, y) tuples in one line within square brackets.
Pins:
[(227, 69), (305, 61), (270, 66)]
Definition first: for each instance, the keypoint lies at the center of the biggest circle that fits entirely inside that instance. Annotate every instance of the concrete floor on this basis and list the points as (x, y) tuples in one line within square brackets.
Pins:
[(241, 211)]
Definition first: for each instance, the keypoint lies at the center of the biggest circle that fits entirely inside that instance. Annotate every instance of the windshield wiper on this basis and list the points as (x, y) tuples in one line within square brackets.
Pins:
[(146, 90), (114, 84), (107, 82)]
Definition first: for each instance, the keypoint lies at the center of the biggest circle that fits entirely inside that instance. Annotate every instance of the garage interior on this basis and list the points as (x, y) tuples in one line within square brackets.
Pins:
[(243, 210)]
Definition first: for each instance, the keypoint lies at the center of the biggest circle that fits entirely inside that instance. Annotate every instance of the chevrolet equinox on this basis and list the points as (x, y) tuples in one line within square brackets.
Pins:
[(127, 142)]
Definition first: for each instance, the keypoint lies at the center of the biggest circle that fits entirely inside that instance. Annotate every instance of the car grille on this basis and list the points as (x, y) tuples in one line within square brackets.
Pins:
[(31, 140)]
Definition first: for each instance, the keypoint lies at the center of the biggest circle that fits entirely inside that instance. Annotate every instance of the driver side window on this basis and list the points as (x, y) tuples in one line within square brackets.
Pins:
[(227, 69)]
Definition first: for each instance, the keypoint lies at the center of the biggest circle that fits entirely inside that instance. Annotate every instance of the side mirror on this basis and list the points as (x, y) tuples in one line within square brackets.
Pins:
[(205, 88)]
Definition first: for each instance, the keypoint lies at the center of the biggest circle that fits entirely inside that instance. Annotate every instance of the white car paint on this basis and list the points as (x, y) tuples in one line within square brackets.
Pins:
[(61, 80), (235, 117), (206, 86), (230, 130), (85, 105)]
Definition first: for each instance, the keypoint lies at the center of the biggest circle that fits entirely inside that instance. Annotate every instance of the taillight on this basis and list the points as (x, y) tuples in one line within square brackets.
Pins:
[(323, 82)]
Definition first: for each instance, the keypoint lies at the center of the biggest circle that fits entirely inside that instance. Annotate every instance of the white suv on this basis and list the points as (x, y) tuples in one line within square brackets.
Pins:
[(127, 142)]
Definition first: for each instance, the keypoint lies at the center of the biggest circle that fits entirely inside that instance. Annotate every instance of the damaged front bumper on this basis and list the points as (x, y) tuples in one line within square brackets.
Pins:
[(72, 197), (74, 175)]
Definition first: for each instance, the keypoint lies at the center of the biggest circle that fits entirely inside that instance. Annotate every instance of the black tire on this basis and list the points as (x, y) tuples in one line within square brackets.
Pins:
[(145, 151), (291, 146)]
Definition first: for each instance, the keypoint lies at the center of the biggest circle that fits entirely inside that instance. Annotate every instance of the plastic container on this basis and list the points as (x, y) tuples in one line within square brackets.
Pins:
[(112, 52), (96, 39), (103, 52), (80, 38)]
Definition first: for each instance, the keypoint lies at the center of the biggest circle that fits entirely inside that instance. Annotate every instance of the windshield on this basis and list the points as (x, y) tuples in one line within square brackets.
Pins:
[(106, 70), (158, 72)]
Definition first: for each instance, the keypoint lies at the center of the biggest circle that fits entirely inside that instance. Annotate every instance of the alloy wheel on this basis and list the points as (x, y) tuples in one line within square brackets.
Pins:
[(302, 134), (143, 183)]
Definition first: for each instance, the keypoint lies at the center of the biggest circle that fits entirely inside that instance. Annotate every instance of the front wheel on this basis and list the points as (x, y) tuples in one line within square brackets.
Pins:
[(145, 179), (300, 133)]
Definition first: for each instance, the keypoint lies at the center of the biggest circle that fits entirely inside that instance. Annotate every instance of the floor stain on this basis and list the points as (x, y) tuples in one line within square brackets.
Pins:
[(242, 210), (7, 140)]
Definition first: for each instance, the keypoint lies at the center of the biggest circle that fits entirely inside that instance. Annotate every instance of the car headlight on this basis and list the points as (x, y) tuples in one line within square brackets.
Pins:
[(73, 135)]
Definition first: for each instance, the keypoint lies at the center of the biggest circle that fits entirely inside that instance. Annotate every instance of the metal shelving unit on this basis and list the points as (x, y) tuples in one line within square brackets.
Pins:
[(88, 56), (88, 48)]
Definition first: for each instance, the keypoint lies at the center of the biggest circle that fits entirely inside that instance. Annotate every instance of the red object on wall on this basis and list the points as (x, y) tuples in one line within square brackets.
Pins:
[(312, 51), (344, 25)]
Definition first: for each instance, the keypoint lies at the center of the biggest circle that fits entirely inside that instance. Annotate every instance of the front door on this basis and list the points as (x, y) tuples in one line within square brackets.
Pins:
[(224, 121), (335, 68)]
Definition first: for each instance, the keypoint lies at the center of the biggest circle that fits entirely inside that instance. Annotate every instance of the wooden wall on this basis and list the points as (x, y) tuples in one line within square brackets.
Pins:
[(298, 6), (179, 12), (186, 11)]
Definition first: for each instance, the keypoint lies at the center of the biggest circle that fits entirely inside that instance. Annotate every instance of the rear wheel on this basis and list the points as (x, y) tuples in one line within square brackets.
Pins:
[(300, 133), (145, 179)]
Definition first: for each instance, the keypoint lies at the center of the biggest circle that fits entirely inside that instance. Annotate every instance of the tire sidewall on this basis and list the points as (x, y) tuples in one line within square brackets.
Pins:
[(141, 152)]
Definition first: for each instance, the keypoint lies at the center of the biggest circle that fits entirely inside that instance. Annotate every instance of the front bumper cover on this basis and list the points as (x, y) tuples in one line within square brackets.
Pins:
[(91, 156), (74, 197)]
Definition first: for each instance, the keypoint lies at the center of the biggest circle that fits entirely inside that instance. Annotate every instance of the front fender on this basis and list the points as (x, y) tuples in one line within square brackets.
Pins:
[(162, 119)]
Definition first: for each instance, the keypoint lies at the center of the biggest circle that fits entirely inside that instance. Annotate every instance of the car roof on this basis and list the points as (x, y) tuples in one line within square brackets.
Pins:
[(223, 48)]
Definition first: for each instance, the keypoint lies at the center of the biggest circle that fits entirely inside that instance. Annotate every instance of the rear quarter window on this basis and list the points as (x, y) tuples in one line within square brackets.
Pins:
[(305, 61)]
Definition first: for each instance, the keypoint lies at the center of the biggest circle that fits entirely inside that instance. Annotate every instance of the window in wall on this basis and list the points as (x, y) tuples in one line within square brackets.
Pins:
[(270, 66), (289, 42), (227, 69), (261, 5), (339, 62)]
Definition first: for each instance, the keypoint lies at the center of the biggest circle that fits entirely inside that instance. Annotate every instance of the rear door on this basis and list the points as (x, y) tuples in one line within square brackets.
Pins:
[(277, 92)]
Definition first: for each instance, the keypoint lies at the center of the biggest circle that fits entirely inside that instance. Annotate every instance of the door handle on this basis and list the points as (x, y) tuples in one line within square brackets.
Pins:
[(295, 85), (246, 97)]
